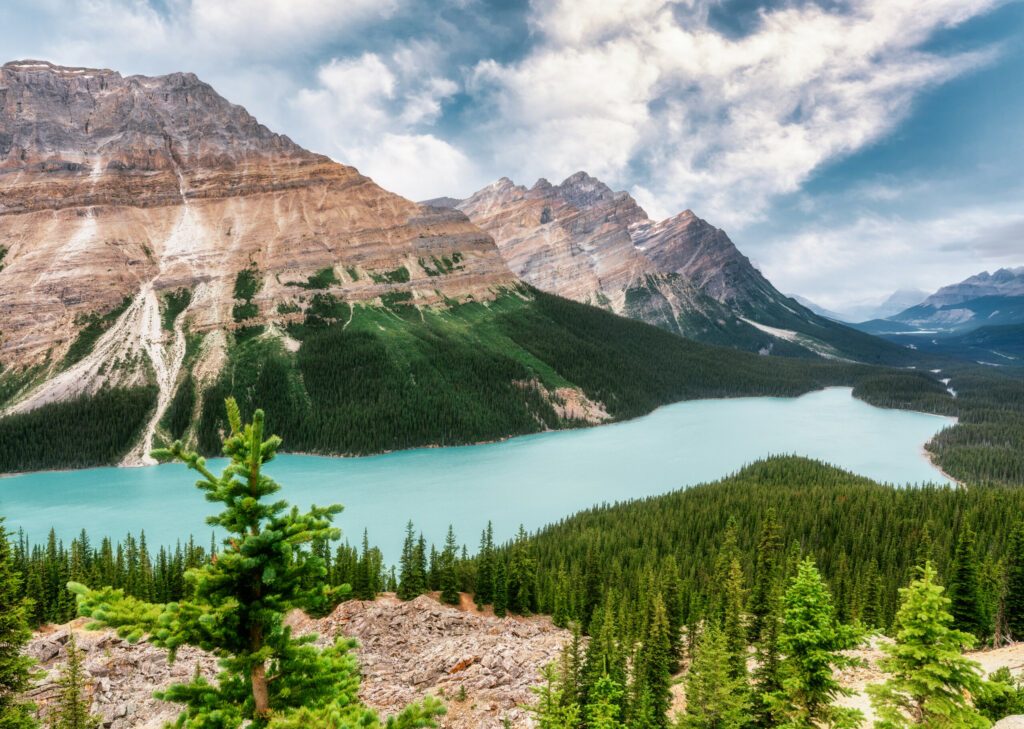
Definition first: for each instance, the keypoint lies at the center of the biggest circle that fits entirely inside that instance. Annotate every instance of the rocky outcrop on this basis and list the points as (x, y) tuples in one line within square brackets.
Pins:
[(410, 649), (117, 187), (482, 666), (121, 676)]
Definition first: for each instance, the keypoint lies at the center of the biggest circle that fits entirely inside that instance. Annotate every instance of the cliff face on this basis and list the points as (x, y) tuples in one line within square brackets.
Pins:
[(115, 187)]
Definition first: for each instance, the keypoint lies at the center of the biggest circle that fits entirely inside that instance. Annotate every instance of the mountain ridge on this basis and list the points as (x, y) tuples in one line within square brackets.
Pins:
[(582, 240)]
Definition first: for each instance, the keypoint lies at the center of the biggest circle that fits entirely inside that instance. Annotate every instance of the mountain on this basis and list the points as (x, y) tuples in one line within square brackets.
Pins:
[(895, 303), (977, 319), (1004, 282), (987, 299), (819, 310), (584, 241), (162, 250)]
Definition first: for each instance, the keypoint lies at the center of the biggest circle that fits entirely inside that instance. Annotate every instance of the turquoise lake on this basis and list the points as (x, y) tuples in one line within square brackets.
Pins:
[(531, 480)]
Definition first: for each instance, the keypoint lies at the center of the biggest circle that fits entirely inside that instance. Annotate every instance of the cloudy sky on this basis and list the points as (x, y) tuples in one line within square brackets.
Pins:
[(849, 147)]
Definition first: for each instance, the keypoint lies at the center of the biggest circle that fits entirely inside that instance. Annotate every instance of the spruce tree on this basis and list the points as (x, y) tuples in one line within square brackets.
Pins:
[(929, 677), (812, 644), (965, 586), (733, 627), (72, 710), (715, 698), (1013, 602), (448, 577), (264, 570), (408, 586), (484, 594), (15, 668)]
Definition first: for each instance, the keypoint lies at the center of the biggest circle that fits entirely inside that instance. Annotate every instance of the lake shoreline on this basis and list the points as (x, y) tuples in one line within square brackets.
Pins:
[(505, 439)]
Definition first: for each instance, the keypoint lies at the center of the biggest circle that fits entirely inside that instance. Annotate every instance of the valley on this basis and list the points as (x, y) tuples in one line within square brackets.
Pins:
[(530, 480), (699, 501)]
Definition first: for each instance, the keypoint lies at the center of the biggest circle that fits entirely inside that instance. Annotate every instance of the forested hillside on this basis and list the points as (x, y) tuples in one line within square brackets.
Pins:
[(398, 376)]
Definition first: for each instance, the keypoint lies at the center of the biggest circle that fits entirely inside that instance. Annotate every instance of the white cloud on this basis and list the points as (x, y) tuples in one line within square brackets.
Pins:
[(370, 112), (872, 256), (273, 27), (719, 124)]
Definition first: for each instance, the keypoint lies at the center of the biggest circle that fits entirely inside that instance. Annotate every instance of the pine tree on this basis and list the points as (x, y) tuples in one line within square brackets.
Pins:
[(363, 587), (767, 574), (522, 576), (653, 670), (449, 579), (604, 705), (1013, 604), (715, 698), (240, 600), (812, 644), (965, 586), (929, 675), (733, 628), (15, 668), (484, 594), (766, 616), (552, 711), (73, 705), (408, 586)]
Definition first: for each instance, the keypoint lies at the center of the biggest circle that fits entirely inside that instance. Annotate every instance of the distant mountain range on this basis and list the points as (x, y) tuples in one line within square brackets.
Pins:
[(582, 240), (979, 318), (866, 311)]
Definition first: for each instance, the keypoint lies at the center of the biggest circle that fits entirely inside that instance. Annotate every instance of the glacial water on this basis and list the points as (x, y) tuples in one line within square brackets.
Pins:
[(531, 480)]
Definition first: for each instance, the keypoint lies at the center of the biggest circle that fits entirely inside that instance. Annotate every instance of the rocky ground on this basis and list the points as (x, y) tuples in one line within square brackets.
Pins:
[(407, 650), (482, 667)]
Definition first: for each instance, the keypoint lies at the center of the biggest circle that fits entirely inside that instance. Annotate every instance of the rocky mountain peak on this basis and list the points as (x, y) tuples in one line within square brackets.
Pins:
[(583, 191), (115, 190), (1004, 282)]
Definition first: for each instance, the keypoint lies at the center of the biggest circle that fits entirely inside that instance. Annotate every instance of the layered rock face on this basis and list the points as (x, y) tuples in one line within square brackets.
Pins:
[(114, 187), (571, 239), (583, 241)]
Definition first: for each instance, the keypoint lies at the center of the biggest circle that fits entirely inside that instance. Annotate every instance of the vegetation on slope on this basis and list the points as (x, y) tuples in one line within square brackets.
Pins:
[(646, 579), (93, 327), (398, 376), (79, 433), (865, 537)]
